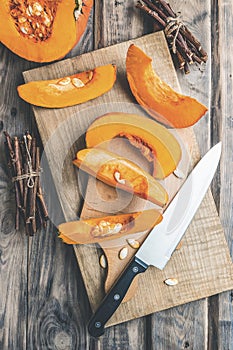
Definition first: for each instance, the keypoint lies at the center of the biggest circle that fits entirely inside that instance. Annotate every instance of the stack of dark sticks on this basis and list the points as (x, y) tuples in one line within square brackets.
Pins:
[(24, 162), (185, 48)]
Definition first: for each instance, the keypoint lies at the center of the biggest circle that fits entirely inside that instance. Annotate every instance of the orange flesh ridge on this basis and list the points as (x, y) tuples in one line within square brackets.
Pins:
[(158, 98)]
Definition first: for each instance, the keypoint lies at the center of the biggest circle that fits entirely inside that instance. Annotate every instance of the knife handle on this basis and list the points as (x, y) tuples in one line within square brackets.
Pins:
[(114, 297)]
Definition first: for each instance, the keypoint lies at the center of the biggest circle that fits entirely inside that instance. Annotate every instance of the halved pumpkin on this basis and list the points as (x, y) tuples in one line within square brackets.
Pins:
[(155, 142), (120, 172), (156, 97), (43, 30), (106, 228), (70, 90)]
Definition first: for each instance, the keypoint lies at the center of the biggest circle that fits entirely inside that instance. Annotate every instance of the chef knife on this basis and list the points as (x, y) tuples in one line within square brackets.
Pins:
[(159, 245)]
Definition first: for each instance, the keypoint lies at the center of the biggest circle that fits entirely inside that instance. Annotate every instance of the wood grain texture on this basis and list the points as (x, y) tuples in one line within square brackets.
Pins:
[(132, 26), (191, 334), (43, 318), (57, 301), (39, 307), (220, 306), (204, 243), (13, 245)]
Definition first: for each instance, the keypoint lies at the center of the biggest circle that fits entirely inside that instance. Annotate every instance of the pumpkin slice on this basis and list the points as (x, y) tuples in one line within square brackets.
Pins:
[(155, 142), (120, 172), (156, 97), (107, 228), (43, 30), (70, 90)]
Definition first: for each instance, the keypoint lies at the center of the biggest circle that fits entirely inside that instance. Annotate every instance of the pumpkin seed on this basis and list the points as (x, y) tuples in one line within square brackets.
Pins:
[(117, 228), (37, 9), (178, 173), (29, 10), (104, 223), (171, 281), (46, 20), (117, 176), (77, 82), (103, 261), (24, 30), (179, 245), (133, 243), (15, 13), (65, 81), (123, 253), (90, 75), (105, 228), (22, 20)]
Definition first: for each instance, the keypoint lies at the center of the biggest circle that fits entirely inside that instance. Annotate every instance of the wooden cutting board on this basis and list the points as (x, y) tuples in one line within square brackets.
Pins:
[(202, 265)]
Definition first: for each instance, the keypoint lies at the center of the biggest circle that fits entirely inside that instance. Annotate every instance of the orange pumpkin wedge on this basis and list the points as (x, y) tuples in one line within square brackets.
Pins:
[(156, 97), (97, 230), (154, 141), (70, 90), (43, 30), (121, 173)]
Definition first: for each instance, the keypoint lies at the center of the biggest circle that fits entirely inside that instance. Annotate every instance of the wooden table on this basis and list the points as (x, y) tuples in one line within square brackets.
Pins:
[(43, 304)]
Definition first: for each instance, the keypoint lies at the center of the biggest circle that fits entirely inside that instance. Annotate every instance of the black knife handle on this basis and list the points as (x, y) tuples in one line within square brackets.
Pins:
[(114, 297)]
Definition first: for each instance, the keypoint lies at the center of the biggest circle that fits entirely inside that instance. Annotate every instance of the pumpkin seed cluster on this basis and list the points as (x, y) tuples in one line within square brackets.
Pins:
[(34, 19)]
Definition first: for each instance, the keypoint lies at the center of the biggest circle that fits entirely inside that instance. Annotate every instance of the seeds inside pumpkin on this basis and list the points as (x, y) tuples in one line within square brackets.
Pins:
[(77, 82), (34, 19), (105, 228), (117, 176), (64, 81), (137, 142)]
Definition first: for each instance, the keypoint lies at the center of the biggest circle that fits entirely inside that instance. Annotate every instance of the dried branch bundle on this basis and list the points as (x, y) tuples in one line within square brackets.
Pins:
[(185, 48), (24, 162)]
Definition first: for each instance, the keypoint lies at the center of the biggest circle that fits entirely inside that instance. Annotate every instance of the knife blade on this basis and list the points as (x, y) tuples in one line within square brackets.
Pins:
[(159, 245)]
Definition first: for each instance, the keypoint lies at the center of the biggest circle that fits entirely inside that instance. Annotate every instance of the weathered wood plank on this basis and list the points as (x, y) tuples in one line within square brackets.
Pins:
[(178, 328), (118, 21), (58, 304), (220, 307), (196, 288), (183, 327), (57, 301), (164, 333), (15, 117)]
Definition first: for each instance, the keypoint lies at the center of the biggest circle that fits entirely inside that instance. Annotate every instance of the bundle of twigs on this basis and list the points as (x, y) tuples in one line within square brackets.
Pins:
[(24, 163), (185, 48)]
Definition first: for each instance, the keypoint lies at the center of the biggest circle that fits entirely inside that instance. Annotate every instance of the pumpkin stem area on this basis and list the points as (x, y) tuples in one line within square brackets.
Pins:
[(34, 19)]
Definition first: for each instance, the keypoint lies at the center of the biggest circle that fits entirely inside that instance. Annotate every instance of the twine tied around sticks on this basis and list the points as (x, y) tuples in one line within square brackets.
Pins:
[(173, 25), (31, 174)]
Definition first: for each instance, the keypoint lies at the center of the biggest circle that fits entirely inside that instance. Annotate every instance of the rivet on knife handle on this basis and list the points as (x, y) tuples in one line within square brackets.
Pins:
[(114, 298)]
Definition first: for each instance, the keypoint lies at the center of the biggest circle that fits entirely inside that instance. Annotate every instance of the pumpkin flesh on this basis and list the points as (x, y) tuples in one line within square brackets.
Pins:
[(158, 98), (70, 90), (154, 141), (121, 173), (42, 30), (97, 230)]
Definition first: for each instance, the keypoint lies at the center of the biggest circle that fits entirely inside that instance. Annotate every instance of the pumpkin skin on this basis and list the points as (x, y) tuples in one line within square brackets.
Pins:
[(164, 149), (69, 91), (121, 173), (85, 231), (61, 32), (156, 97)]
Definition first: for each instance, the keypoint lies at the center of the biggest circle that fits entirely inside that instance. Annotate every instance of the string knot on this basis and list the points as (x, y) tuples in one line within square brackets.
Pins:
[(30, 176), (173, 26), (31, 173)]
